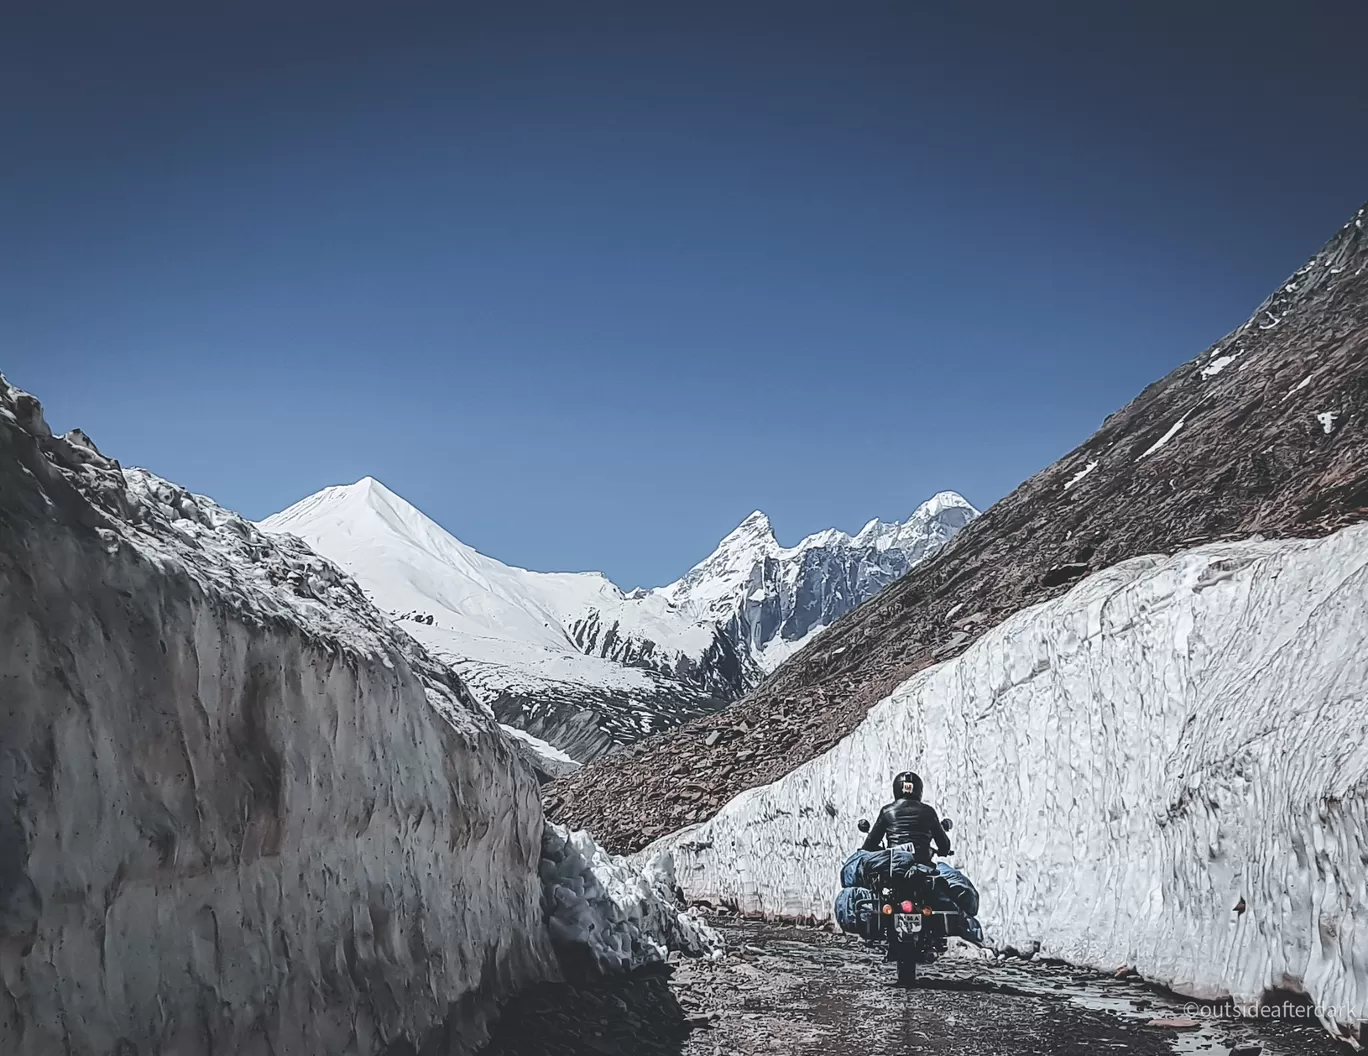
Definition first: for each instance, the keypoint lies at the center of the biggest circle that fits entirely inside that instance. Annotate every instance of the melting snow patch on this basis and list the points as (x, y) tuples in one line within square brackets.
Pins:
[(1299, 386), (778, 649), (603, 911), (1217, 365), (1173, 430), (950, 615), (1090, 467), (541, 755), (1327, 421), (543, 747)]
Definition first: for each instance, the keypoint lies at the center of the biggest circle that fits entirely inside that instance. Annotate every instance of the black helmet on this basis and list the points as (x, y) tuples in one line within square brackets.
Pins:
[(907, 785)]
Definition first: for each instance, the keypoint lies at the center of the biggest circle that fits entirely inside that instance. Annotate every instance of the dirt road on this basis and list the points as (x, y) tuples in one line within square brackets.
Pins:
[(804, 991)]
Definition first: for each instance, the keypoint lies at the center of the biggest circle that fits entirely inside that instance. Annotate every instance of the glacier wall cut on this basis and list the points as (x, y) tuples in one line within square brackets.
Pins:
[(239, 811), (1123, 764)]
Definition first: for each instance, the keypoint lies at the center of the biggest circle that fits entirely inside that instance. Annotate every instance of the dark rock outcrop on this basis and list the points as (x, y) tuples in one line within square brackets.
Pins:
[(720, 671)]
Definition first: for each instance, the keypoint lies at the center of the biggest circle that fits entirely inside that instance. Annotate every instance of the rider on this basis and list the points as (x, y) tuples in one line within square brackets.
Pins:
[(909, 821)]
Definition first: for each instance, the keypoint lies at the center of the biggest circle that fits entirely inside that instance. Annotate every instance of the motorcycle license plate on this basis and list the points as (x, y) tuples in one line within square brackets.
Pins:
[(908, 923)]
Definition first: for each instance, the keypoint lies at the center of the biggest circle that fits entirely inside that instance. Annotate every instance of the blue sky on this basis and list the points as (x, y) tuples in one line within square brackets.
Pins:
[(588, 286)]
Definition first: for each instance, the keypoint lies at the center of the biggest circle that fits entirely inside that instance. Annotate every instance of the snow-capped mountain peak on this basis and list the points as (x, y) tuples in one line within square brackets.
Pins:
[(368, 526), (872, 530), (772, 599), (359, 510), (566, 655), (756, 522), (754, 532), (938, 518)]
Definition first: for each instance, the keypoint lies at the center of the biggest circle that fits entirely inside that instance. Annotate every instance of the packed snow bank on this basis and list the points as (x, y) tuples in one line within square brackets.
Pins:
[(239, 810), (606, 912), (1124, 764)]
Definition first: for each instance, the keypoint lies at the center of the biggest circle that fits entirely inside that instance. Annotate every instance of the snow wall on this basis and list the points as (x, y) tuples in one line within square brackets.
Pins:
[(609, 915), (239, 811), (1123, 765)]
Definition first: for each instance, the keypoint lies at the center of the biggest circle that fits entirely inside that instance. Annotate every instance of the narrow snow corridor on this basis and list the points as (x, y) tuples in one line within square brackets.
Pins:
[(1124, 764)]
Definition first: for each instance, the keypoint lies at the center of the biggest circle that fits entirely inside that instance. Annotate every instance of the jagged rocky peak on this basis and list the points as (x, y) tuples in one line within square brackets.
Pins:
[(938, 517), (772, 599), (756, 525), (936, 520)]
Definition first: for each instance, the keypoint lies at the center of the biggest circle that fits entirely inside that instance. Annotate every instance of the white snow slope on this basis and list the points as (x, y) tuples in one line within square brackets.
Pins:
[(241, 811), (485, 612), (509, 632), (1123, 764)]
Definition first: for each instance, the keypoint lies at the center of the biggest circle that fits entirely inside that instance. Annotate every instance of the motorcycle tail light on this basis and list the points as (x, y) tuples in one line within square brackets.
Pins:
[(907, 907), (888, 910)]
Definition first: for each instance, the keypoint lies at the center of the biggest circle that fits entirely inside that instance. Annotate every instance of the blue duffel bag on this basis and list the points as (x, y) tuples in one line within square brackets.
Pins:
[(972, 930), (854, 871), (959, 888), (863, 867), (856, 911)]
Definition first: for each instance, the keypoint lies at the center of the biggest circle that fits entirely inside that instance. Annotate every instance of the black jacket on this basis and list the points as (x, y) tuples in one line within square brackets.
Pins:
[(909, 821)]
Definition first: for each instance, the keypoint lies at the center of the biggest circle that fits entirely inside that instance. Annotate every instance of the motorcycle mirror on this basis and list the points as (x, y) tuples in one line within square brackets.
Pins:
[(947, 824), (863, 826)]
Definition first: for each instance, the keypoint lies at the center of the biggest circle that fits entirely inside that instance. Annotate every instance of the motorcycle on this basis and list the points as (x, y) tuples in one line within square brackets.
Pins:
[(917, 912)]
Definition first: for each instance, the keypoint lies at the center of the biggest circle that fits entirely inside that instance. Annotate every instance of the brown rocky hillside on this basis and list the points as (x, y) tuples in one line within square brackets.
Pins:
[(1265, 433)]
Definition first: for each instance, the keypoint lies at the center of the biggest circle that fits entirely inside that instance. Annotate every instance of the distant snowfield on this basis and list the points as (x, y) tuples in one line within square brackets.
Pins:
[(484, 613), (1123, 764)]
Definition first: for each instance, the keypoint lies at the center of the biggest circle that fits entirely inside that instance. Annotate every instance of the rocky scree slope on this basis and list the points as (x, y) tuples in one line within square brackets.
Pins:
[(241, 811), (1264, 433)]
